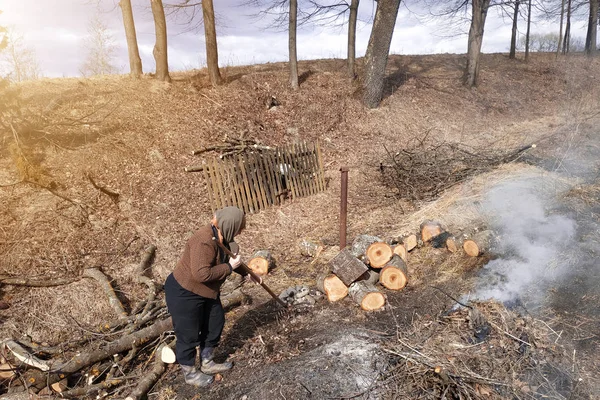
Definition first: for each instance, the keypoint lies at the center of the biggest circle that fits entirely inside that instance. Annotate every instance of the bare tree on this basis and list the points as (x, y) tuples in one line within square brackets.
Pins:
[(293, 26), (20, 60), (135, 62), (560, 32), (101, 50), (378, 50), (567, 37), (160, 51), (210, 34), (513, 38), (352, 38), (592, 31), (528, 34), (479, 13)]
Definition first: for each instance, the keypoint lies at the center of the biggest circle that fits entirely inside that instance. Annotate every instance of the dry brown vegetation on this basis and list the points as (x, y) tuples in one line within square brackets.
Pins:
[(134, 138)]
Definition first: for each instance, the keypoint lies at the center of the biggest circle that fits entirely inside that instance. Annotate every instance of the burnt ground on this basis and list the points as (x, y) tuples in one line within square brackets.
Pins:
[(135, 138)]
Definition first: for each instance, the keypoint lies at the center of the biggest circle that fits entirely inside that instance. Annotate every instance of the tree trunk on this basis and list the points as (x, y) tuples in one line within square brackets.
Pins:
[(135, 62), (527, 35), (332, 287), (160, 51), (377, 52), (352, 38), (366, 295), (567, 37), (592, 31), (560, 32), (394, 275), (292, 44), (360, 244), (371, 276), (513, 38), (261, 262), (480, 9), (210, 35)]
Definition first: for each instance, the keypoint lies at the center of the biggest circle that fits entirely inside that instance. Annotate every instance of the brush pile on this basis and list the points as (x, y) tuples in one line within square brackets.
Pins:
[(484, 351), (424, 169)]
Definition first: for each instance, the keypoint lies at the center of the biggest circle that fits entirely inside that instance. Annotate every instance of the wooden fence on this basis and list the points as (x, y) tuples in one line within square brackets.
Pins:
[(257, 180)]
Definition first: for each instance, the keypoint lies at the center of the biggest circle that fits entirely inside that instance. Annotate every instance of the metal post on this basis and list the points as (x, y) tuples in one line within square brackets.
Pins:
[(343, 207)]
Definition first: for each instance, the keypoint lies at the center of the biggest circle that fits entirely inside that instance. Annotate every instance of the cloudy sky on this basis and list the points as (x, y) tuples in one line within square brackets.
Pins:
[(56, 31)]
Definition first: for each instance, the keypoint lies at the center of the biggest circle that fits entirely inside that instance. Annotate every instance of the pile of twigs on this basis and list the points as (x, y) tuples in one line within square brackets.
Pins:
[(424, 170), (233, 147), (482, 352)]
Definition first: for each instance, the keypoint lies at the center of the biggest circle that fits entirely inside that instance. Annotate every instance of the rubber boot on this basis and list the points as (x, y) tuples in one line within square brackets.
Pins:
[(208, 364), (196, 378)]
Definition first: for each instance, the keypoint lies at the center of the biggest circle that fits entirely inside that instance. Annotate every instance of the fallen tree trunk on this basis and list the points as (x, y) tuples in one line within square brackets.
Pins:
[(479, 243), (332, 287), (38, 379), (149, 379), (366, 295), (394, 275), (46, 281), (113, 300), (261, 262), (347, 267)]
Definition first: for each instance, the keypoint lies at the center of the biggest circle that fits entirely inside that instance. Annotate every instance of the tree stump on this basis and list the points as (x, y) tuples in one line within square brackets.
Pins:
[(261, 262), (410, 242), (479, 243), (401, 251), (366, 295), (429, 229), (360, 245), (394, 275), (332, 287), (347, 267), (378, 254)]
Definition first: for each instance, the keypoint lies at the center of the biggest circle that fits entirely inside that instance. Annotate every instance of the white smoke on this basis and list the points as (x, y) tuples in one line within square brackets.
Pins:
[(531, 240)]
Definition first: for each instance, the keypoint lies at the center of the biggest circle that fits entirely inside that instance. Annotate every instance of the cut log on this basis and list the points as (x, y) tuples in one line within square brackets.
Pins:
[(401, 251), (410, 242), (439, 241), (149, 379), (167, 355), (453, 244), (479, 243), (366, 295), (378, 254), (394, 275), (430, 229), (233, 299), (371, 276), (332, 287), (261, 262), (310, 248), (360, 245), (347, 267)]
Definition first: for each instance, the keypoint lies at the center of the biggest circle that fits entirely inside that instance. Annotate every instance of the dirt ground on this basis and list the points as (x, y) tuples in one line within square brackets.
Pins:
[(136, 137)]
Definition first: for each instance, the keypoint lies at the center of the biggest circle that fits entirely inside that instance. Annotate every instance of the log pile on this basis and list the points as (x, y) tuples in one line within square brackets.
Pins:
[(123, 359), (371, 262)]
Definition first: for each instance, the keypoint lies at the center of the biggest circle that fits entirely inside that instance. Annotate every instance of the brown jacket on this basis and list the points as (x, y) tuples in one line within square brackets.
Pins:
[(201, 270)]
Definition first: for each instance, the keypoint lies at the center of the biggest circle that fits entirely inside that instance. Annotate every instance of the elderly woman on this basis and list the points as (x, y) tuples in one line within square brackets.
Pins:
[(192, 294)]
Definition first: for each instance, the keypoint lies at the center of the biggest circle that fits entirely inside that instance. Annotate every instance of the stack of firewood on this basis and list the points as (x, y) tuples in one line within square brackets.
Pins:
[(370, 261)]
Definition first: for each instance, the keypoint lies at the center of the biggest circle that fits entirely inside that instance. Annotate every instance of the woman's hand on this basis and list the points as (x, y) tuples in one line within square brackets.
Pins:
[(235, 261)]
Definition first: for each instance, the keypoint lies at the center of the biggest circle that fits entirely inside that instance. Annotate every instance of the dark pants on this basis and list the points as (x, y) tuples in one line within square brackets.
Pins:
[(198, 321)]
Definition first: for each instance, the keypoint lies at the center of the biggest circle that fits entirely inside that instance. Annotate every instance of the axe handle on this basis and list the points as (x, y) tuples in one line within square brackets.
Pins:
[(251, 273)]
